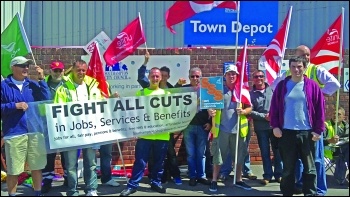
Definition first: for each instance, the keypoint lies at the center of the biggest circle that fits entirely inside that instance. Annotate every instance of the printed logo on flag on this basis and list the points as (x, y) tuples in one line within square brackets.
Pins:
[(125, 40), (333, 37)]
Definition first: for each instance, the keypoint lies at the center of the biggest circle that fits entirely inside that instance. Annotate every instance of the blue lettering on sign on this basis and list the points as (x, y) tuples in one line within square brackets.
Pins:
[(258, 22)]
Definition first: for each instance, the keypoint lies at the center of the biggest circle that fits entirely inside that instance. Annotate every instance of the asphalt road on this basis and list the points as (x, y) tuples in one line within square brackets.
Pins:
[(225, 189)]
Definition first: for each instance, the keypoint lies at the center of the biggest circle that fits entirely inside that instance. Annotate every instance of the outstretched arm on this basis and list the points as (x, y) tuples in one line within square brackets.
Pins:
[(141, 77)]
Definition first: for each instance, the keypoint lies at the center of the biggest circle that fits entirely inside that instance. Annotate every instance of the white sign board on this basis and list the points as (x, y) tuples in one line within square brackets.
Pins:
[(284, 66), (103, 42), (84, 123), (122, 77), (346, 79)]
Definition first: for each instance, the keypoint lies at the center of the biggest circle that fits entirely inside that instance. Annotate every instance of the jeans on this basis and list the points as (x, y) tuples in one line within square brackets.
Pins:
[(291, 144), (49, 170), (265, 138), (195, 141), (105, 162), (90, 176), (170, 163), (340, 169), (321, 185), (142, 151)]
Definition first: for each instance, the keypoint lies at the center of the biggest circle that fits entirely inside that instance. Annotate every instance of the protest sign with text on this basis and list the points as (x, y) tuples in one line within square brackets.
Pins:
[(92, 122)]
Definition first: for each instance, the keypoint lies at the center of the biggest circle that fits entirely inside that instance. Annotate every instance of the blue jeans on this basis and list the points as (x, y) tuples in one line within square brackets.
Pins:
[(90, 176), (321, 185), (142, 152), (195, 141), (340, 169), (265, 138), (105, 162)]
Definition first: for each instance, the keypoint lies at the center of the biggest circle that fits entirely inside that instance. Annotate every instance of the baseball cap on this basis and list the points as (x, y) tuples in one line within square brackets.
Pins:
[(20, 60), (231, 67), (57, 65)]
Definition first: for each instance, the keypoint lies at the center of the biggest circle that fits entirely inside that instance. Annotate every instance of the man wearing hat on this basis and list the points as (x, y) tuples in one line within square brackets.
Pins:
[(53, 80), (22, 146), (225, 129)]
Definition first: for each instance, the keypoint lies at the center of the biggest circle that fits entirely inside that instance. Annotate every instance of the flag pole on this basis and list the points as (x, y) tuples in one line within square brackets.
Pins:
[(142, 29), (339, 67), (287, 32), (240, 105), (238, 8), (26, 38), (121, 157)]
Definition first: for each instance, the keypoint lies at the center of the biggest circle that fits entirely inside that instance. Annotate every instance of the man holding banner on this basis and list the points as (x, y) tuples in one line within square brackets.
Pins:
[(80, 87), (22, 146), (170, 163), (158, 143)]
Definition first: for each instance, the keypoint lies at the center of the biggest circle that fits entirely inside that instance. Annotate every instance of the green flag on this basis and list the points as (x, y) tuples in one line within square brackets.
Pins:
[(14, 42)]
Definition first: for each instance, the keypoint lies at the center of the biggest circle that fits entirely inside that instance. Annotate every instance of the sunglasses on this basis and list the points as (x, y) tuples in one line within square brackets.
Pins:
[(22, 65), (194, 76), (57, 70), (258, 76)]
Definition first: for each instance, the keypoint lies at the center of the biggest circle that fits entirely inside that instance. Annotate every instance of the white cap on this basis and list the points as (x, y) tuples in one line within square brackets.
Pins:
[(231, 67), (20, 60)]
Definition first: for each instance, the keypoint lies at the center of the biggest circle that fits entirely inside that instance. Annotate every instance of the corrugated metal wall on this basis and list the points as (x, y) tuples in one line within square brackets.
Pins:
[(311, 19), (75, 23), (9, 10)]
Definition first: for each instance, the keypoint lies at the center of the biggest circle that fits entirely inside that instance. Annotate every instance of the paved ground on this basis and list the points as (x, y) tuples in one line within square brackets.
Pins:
[(225, 189)]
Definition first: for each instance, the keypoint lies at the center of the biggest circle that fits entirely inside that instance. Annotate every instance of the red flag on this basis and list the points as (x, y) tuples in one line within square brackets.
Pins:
[(327, 50), (243, 56), (182, 10), (241, 93), (96, 71), (125, 43), (272, 57)]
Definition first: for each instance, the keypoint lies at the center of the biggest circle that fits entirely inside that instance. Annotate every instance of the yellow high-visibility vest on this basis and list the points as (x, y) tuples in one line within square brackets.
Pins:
[(330, 133), (243, 129)]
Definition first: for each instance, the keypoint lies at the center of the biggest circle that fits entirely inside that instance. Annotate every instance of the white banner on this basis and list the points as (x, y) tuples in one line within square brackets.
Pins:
[(284, 67), (84, 123), (103, 42), (346, 80), (122, 77)]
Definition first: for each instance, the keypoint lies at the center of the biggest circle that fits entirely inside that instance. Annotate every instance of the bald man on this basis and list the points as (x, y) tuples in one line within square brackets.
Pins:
[(329, 85)]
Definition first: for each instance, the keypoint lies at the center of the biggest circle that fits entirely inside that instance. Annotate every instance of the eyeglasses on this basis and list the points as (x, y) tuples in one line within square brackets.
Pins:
[(22, 65), (57, 70), (258, 76), (194, 76)]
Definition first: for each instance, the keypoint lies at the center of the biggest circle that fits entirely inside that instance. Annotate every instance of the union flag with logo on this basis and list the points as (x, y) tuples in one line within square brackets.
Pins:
[(326, 51), (125, 43)]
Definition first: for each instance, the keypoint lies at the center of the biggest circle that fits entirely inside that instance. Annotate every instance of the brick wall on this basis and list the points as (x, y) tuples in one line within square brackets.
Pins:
[(210, 61)]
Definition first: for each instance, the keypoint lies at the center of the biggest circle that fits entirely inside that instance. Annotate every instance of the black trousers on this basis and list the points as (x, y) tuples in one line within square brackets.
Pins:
[(291, 144), (170, 163)]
